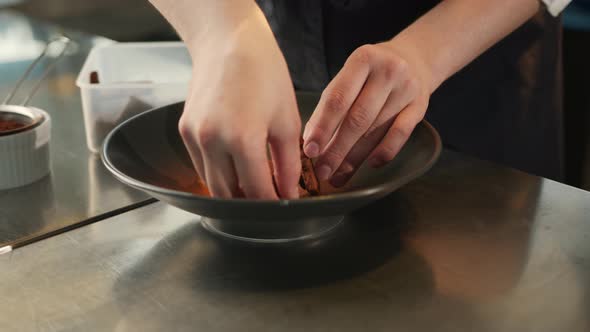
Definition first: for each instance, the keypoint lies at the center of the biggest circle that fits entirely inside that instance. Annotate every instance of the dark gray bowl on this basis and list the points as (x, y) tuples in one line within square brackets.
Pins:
[(146, 152)]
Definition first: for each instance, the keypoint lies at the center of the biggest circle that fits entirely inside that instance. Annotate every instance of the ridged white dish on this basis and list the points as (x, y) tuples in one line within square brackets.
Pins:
[(24, 156)]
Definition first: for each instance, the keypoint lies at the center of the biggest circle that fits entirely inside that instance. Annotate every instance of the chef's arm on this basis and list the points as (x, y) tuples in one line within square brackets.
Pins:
[(198, 20), (455, 32), (241, 102), (373, 104)]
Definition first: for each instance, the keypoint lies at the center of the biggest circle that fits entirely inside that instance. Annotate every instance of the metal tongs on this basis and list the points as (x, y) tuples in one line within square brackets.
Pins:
[(21, 112)]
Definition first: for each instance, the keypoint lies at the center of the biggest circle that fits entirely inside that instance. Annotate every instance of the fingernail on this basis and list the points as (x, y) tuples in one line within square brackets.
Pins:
[(305, 133), (377, 162), (339, 179), (345, 168), (323, 172), (312, 149)]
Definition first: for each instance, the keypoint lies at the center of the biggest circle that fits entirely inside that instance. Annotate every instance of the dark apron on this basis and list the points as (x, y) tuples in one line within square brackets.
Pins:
[(506, 106)]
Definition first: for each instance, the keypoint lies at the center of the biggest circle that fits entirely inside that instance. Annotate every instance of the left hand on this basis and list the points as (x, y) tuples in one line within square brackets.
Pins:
[(368, 111)]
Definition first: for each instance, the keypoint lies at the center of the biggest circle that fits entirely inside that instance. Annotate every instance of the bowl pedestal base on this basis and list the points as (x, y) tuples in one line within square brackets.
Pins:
[(272, 232)]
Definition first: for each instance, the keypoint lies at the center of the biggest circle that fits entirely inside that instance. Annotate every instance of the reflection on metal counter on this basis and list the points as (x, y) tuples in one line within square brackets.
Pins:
[(79, 189), (471, 246)]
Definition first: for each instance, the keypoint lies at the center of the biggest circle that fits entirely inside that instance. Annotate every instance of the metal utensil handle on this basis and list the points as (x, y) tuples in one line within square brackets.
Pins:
[(18, 84)]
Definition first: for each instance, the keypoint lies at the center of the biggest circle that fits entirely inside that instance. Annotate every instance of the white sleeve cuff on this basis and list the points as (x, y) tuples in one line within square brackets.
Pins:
[(555, 7)]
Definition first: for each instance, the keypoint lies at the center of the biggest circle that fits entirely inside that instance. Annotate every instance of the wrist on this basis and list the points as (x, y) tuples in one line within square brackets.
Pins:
[(203, 23), (422, 65), (454, 33), (228, 34)]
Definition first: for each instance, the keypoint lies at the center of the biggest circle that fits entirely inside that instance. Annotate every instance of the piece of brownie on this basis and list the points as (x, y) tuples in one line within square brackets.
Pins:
[(308, 182)]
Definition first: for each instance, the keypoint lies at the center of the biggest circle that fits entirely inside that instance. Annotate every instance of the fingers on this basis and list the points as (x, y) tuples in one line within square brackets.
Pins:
[(398, 99), (192, 146), (251, 165), (334, 104), (216, 164), (358, 154), (232, 165), (220, 175), (398, 133), (357, 121), (382, 144), (284, 147)]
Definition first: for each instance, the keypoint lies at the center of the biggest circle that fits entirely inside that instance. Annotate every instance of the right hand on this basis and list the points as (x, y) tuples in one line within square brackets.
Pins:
[(240, 101)]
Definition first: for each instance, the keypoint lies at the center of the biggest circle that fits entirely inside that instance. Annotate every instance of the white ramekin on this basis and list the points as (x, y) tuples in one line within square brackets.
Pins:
[(24, 156)]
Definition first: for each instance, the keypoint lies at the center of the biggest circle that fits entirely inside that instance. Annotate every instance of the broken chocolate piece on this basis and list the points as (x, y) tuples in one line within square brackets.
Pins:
[(308, 182), (308, 177), (94, 77)]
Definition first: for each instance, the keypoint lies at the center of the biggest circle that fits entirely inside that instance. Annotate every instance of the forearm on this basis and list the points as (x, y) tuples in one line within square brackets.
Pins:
[(455, 32), (197, 21)]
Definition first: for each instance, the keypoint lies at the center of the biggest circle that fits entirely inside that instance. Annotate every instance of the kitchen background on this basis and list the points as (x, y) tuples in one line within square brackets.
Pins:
[(136, 20)]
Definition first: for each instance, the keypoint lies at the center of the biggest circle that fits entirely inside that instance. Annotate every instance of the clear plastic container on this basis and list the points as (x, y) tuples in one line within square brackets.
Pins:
[(132, 78)]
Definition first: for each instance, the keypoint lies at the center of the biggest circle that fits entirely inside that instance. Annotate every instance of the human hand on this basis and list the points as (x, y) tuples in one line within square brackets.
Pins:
[(368, 111), (241, 100)]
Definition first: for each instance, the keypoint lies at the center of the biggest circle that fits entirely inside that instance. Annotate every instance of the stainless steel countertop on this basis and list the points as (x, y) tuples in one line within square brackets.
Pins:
[(79, 189), (471, 246)]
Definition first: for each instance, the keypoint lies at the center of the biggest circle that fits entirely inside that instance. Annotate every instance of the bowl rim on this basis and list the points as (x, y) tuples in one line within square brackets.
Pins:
[(383, 188)]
